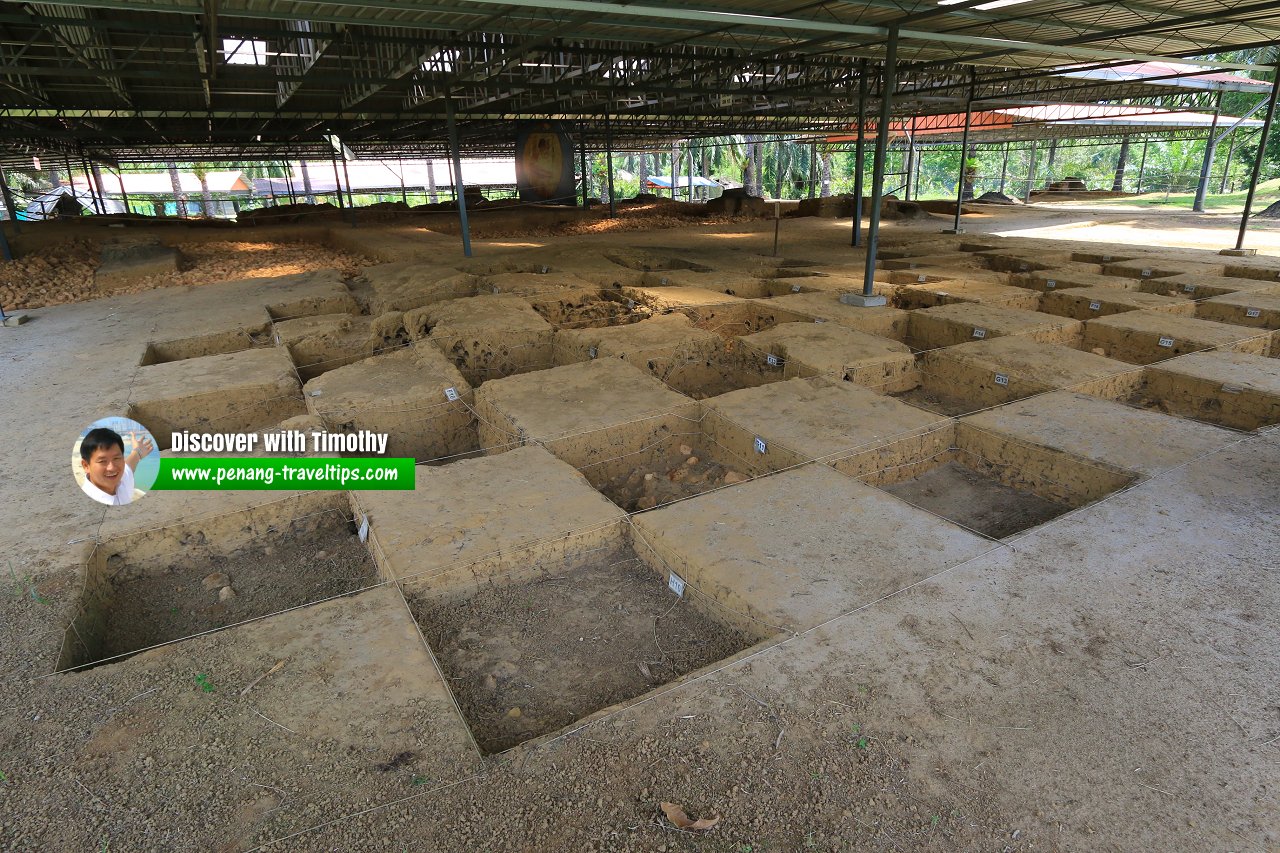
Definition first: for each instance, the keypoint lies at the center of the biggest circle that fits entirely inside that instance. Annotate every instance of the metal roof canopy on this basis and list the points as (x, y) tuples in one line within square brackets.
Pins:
[(247, 79)]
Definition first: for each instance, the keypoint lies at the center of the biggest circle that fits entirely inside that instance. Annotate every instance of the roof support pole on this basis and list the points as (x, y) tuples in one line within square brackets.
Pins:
[(689, 150), (88, 180), (813, 169), (1257, 162), (71, 182), (8, 200), (890, 74), (459, 188), (351, 202), (1210, 144), (337, 181), (860, 152), (124, 196), (1031, 172), (964, 151), (1142, 166), (608, 165)]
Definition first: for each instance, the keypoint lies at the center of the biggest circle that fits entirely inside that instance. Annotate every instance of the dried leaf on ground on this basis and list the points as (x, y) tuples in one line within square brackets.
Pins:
[(676, 814)]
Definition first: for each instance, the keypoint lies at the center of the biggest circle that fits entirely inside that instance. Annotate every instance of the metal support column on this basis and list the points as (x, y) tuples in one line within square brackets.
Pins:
[(459, 188), (1004, 168), (860, 153), (1257, 162), (351, 201), (124, 196), (910, 169), (582, 160), (964, 149), (608, 164), (337, 180), (813, 169), (1206, 166), (890, 74)]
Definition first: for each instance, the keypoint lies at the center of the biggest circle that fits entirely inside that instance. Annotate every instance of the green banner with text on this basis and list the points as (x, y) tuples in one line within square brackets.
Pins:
[(308, 473)]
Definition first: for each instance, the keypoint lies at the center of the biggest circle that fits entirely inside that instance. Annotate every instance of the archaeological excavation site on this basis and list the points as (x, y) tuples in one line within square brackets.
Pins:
[(568, 426)]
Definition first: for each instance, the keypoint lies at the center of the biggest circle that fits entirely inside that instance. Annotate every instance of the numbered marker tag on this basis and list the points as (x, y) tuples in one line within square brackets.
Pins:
[(1002, 379), (943, 293), (1253, 312), (1095, 306), (631, 303), (1050, 284), (675, 583), (1231, 389), (544, 269), (979, 333), (451, 394), (277, 336), (795, 288), (771, 360), (314, 392), (1188, 288), (1106, 259), (1023, 267), (497, 289), (593, 352), (922, 278), (1165, 342), (1146, 273), (664, 281), (761, 447), (819, 319), (364, 529)]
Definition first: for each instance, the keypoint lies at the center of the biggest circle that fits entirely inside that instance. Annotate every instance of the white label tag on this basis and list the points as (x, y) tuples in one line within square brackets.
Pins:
[(771, 360), (1253, 312), (451, 394), (1050, 284), (819, 319), (795, 288), (1188, 288), (497, 289), (761, 447), (277, 336), (1023, 267), (922, 278), (979, 333), (1165, 342), (592, 352), (364, 529), (664, 281), (1146, 273), (1106, 259), (675, 583), (631, 303), (1095, 306), (1001, 379)]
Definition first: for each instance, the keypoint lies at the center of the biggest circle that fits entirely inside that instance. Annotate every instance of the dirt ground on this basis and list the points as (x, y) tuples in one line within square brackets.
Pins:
[(678, 472), (1110, 681), (529, 658)]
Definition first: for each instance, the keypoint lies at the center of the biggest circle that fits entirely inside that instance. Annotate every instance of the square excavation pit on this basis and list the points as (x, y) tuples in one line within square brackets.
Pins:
[(405, 285), (727, 316), (1058, 278), (965, 261), (1113, 435), (1016, 261), (1085, 303), (322, 292), (653, 260), (542, 641), (1091, 256), (1143, 337), (1262, 269), (799, 547), (1163, 267), (585, 307), (811, 349), (964, 378), (693, 361), (1259, 310), (516, 503), (961, 322), (211, 343), (163, 584), (598, 416), (883, 321), (915, 296), (232, 392), (403, 394), (996, 486), (1230, 389), (326, 341), (851, 428), (1195, 286), (486, 337)]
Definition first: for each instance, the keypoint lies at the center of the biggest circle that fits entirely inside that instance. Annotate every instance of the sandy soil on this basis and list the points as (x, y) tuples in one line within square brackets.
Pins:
[(965, 496)]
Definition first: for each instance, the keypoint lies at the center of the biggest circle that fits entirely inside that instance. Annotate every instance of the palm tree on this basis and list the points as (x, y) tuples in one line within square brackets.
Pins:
[(179, 199), (201, 171), (306, 182)]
